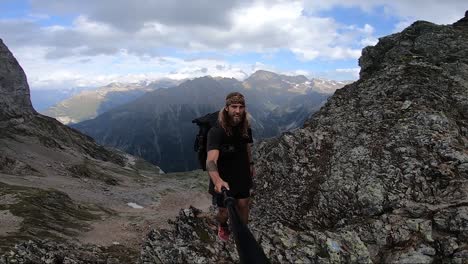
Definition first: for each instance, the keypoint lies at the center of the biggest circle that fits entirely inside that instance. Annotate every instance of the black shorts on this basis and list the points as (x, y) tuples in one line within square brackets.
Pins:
[(218, 198)]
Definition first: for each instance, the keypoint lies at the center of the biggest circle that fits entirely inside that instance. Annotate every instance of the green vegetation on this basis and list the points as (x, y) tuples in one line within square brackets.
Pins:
[(77, 108), (191, 180), (46, 214), (13, 166), (143, 165), (203, 234), (87, 170)]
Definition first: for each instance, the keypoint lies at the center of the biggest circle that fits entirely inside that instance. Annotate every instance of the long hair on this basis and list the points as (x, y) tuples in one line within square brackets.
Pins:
[(223, 120)]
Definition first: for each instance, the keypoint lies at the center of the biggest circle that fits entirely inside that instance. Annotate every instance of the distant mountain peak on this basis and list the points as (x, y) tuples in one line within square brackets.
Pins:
[(263, 75)]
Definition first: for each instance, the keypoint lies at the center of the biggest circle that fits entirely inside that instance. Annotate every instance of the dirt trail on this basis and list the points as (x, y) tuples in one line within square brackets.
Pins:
[(131, 225)]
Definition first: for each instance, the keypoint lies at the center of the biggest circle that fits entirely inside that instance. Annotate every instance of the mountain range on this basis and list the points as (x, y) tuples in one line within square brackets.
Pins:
[(88, 104), (42, 99), (158, 128)]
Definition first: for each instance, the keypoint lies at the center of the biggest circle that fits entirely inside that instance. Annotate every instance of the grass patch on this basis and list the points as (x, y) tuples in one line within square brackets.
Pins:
[(46, 214), (141, 164), (16, 167), (203, 234), (194, 180), (87, 170)]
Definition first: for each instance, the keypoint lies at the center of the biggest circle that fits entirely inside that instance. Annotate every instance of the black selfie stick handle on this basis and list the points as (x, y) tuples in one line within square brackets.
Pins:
[(249, 250)]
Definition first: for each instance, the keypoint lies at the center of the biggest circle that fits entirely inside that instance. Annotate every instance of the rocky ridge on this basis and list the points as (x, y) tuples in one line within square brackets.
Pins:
[(378, 175)]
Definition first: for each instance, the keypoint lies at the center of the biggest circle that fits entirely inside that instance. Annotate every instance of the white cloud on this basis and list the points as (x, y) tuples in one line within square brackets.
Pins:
[(402, 25), (348, 70), (94, 71), (116, 40), (368, 29), (256, 27), (369, 41), (353, 71), (440, 12)]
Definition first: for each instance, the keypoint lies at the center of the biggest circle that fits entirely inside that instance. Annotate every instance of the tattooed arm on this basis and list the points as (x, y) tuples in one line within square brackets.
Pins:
[(212, 168)]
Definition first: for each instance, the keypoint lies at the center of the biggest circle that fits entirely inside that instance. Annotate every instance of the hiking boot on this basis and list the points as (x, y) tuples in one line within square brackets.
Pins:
[(223, 233)]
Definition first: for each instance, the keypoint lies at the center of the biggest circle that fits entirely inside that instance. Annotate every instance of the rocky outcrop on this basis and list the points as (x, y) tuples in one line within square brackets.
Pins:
[(380, 173), (14, 90), (19, 120), (386, 157)]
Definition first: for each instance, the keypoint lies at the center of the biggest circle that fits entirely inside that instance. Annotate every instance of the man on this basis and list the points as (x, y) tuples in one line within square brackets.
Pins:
[(229, 160)]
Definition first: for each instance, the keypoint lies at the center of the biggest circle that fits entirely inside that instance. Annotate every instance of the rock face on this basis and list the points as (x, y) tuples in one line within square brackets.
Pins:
[(380, 173), (18, 118), (14, 90)]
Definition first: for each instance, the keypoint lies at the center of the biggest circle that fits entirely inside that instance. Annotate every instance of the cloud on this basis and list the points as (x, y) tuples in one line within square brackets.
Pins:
[(369, 41), (132, 15), (104, 27), (402, 25), (436, 11), (93, 71), (111, 39), (348, 70), (354, 72)]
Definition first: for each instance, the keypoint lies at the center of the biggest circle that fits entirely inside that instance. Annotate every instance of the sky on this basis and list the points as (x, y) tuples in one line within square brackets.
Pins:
[(88, 43)]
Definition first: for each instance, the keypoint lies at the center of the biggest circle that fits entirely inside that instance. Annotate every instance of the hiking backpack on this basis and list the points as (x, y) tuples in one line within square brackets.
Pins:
[(204, 124)]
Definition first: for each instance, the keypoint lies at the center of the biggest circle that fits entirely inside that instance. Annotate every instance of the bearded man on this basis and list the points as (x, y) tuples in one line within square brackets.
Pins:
[(229, 160)]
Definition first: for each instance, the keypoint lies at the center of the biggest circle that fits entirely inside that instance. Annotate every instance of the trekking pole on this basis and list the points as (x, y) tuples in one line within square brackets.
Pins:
[(247, 247)]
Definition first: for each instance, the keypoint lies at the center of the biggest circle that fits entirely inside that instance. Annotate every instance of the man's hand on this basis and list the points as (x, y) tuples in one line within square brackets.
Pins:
[(219, 184)]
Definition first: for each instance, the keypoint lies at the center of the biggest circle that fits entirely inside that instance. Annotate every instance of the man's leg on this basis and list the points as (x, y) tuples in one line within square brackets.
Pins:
[(222, 216), (243, 209)]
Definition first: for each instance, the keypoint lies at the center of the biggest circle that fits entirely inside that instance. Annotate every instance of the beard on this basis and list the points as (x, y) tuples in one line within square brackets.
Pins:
[(235, 120)]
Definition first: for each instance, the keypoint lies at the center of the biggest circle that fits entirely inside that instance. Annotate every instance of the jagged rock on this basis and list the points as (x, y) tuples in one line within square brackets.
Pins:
[(384, 150), (192, 240), (14, 90), (19, 121), (378, 175)]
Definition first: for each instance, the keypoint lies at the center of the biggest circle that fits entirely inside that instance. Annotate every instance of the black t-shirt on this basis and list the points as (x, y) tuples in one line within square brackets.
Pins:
[(233, 161)]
